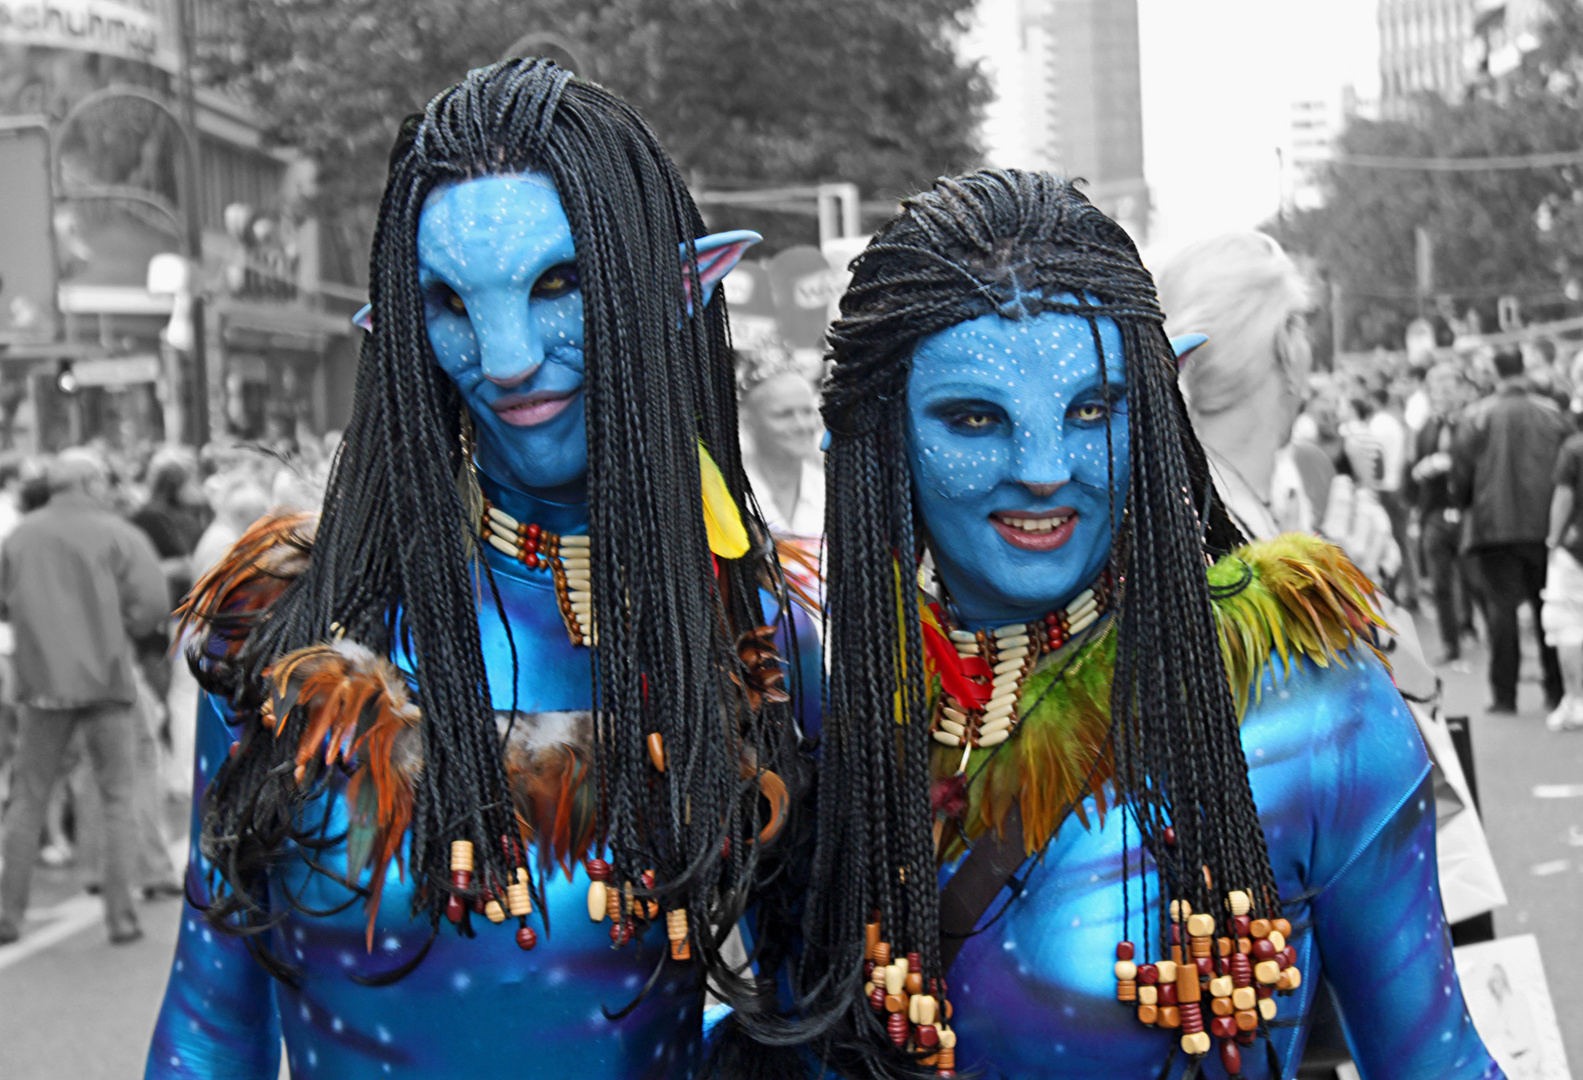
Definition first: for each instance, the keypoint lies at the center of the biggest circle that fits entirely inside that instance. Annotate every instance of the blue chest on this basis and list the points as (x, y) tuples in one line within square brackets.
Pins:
[(481, 1004), (1035, 995)]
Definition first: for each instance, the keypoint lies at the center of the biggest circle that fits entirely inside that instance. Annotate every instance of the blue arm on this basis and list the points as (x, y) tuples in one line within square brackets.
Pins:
[(1386, 953), (219, 1019)]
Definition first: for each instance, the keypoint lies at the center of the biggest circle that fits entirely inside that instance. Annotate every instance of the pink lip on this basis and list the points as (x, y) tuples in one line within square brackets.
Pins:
[(527, 410), (1041, 541)]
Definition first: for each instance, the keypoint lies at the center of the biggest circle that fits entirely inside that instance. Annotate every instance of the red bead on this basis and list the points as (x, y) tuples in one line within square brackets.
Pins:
[(725, 848), (455, 910), (1264, 949), (1223, 966), (915, 962), (1052, 619), (526, 938), (1223, 1027), (1230, 1058), (1124, 951), (1168, 994), (1176, 934), (1206, 967), (938, 989), (1148, 974), (1192, 1019), (928, 1035), (1170, 836), (1243, 925), (1246, 1037), (1241, 970), (235, 746), (647, 878), (1287, 956), (1264, 991), (461, 878), (531, 561), (868, 970), (898, 1028), (598, 869), (876, 1000), (533, 532), (478, 904)]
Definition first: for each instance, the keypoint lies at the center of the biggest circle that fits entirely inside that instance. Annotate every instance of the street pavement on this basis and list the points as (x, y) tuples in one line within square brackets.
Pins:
[(72, 1007)]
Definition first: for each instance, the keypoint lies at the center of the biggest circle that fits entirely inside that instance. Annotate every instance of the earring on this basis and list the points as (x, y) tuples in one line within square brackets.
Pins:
[(467, 478)]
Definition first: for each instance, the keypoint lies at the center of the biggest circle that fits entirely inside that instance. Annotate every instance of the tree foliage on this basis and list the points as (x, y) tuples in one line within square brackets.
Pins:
[(741, 92), (1512, 232)]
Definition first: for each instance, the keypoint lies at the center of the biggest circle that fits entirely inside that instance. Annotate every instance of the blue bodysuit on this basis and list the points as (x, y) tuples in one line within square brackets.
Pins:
[(1340, 776), (478, 1006)]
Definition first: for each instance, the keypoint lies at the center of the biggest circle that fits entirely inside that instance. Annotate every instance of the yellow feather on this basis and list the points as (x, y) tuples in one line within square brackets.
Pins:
[(728, 537)]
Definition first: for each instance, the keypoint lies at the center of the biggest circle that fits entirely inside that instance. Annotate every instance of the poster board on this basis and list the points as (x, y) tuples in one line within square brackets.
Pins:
[(1504, 984)]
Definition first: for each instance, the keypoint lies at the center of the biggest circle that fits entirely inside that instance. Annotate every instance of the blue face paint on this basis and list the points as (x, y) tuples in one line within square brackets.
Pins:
[(496, 263), (497, 266), (1010, 465)]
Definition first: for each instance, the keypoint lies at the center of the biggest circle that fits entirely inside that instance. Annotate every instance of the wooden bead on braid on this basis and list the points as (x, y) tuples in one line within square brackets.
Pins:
[(676, 932)]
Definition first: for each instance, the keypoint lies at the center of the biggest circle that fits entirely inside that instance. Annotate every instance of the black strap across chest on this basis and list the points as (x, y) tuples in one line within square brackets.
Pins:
[(993, 862)]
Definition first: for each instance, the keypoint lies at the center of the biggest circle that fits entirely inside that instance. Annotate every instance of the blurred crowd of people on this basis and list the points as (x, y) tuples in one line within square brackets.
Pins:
[(1452, 479), (97, 710)]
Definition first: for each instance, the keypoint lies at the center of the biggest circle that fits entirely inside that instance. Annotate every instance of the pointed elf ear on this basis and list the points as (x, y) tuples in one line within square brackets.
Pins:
[(1184, 345), (364, 318), (717, 254)]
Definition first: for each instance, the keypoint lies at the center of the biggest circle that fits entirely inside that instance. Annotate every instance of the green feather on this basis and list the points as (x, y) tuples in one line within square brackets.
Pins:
[(1301, 598), (362, 830)]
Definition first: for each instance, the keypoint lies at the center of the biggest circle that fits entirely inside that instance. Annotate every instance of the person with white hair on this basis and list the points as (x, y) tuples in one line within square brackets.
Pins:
[(1244, 386), (78, 584)]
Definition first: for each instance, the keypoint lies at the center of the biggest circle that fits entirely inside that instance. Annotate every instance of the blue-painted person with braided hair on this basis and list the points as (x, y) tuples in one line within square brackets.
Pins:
[(1167, 786), (493, 745)]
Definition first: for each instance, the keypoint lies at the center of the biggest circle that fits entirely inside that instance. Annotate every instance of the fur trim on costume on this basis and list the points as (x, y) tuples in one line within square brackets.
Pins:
[(1295, 596), (548, 757)]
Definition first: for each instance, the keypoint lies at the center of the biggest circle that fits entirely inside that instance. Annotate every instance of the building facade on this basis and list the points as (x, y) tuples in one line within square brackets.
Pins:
[(279, 352), (1424, 48), (1444, 47), (1068, 96)]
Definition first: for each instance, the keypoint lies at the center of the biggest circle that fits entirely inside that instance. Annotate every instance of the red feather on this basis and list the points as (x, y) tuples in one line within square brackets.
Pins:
[(957, 673)]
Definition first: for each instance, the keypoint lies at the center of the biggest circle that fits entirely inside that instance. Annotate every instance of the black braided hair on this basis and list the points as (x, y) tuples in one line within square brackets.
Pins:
[(394, 536), (1015, 244)]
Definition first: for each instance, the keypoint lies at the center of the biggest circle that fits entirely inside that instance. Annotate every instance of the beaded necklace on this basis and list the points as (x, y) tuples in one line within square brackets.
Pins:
[(1006, 656), (565, 557)]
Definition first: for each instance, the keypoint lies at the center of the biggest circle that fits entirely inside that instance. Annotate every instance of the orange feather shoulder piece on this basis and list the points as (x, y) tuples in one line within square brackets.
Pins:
[(345, 703), (227, 602)]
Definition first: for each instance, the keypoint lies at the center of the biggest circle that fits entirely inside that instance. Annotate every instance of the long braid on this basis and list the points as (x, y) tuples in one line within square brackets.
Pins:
[(394, 565), (1014, 244)]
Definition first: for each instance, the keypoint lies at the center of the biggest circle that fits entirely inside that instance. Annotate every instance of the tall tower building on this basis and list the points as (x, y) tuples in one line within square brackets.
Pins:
[(1424, 49), (1068, 100)]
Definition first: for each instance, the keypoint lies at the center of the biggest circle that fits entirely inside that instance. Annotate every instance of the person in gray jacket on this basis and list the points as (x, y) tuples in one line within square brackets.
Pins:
[(78, 583)]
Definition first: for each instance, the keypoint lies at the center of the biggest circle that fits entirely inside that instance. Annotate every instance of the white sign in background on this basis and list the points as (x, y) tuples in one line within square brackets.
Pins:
[(1504, 984), (133, 29)]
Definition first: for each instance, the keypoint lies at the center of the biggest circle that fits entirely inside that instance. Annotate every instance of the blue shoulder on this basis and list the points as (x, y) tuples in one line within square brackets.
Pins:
[(1332, 752)]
